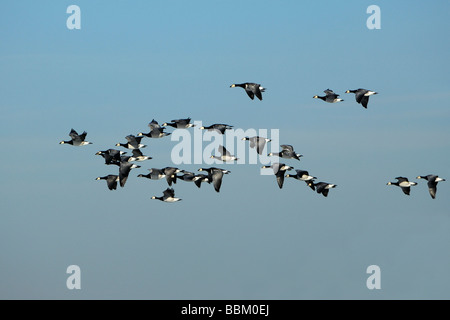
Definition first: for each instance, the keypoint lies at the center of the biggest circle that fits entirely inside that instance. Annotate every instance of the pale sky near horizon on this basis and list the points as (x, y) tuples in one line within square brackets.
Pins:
[(132, 62)]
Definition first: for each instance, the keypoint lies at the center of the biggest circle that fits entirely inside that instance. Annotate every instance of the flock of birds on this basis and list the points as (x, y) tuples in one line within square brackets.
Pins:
[(215, 175)]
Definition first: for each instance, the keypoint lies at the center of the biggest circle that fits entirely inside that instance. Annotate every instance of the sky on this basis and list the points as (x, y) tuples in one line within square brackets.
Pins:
[(131, 62)]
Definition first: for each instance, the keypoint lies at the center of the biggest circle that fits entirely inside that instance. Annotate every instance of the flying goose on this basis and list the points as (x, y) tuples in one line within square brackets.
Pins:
[(154, 174), (329, 96), (215, 175), (168, 196), (252, 89), (180, 123), (321, 187), (138, 156), (171, 174), (124, 171), (225, 155), (432, 183), (219, 127), (76, 139), (133, 142), (302, 175), (111, 156), (192, 177), (156, 131), (257, 142), (362, 96), (111, 181), (287, 152), (404, 184), (279, 169)]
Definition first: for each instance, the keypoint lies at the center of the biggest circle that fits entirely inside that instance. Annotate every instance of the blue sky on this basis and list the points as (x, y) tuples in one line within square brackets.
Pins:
[(134, 62)]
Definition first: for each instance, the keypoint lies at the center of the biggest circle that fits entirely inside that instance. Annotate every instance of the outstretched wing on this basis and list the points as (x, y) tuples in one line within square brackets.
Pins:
[(83, 135), (406, 190), (261, 142), (364, 101), (131, 139), (112, 182), (257, 91), (169, 192), (250, 94), (223, 151), (137, 153), (73, 134), (280, 178), (154, 125), (432, 185), (287, 147), (217, 176)]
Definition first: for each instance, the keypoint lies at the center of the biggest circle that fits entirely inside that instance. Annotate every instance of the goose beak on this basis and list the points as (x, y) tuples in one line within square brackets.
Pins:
[(232, 86)]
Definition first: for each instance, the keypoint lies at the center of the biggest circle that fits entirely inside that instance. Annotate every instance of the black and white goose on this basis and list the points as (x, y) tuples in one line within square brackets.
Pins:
[(111, 181), (252, 89), (168, 196), (192, 177), (225, 155), (199, 178), (279, 170), (124, 171), (154, 174), (302, 175), (111, 156), (215, 176), (156, 131), (257, 142), (171, 174), (404, 184), (133, 142), (219, 127), (362, 95), (287, 152), (138, 156), (321, 187), (76, 139), (432, 183), (179, 123), (329, 96)]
